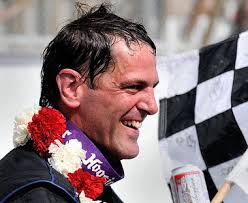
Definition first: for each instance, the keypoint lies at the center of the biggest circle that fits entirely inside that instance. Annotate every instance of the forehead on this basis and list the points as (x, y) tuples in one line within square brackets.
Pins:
[(136, 50), (138, 60)]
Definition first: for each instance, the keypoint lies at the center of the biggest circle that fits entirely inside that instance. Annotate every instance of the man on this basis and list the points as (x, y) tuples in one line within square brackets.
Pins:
[(100, 73)]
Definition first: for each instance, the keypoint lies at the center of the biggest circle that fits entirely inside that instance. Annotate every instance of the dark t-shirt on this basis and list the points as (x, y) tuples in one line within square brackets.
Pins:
[(26, 177)]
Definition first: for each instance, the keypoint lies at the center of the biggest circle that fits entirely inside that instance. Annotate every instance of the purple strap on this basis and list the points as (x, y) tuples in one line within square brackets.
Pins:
[(95, 163)]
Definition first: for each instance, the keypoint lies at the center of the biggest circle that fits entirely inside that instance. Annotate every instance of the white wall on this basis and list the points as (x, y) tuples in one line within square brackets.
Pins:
[(20, 89)]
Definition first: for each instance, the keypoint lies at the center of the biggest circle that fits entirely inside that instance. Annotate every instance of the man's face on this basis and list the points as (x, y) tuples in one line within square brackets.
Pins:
[(112, 113)]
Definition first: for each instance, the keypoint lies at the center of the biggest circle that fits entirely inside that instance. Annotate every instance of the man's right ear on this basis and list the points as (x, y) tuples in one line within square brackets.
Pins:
[(68, 82)]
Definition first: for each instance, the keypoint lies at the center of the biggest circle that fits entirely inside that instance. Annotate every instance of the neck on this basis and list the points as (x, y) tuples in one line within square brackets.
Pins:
[(112, 159), (96, 162)]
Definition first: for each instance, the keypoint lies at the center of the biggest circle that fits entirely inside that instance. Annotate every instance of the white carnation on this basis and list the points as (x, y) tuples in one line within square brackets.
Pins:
[(66, 158), (84, 199), (20, 132)]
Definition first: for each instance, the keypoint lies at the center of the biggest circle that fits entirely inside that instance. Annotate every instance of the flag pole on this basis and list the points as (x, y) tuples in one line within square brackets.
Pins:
[(222, 193)]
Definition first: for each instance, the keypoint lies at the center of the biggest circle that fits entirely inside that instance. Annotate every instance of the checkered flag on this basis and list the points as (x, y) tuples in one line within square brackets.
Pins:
[(203, 116)]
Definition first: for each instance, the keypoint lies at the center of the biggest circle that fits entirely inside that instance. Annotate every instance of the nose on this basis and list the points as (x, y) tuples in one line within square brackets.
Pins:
[(148, 102)]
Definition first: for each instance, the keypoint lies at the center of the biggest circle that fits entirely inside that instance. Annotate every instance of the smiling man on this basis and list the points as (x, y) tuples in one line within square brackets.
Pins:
[(99, 73), (112, 112)]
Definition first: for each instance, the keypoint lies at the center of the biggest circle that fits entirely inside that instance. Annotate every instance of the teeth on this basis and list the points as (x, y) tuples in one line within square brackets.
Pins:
[(135, 124)]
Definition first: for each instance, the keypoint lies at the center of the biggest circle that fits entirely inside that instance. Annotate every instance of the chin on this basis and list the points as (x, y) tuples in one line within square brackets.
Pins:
[(130, 154)]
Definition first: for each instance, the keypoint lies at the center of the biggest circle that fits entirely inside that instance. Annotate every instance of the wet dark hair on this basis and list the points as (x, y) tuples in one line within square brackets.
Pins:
[(84, 45)]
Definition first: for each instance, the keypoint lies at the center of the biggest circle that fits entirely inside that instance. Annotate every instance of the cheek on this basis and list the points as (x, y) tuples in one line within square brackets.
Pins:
[(126, 101)]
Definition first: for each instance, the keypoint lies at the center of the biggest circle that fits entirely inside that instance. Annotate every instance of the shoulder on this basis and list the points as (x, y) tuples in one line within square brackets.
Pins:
[(39, 195), (24, 174), (110, 196)]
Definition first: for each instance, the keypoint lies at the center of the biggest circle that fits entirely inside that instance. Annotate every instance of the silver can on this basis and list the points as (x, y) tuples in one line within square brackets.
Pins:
[(188, 185)]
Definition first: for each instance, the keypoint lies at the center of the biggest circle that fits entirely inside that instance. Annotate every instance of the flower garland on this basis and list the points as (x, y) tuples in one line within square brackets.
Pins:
[(45, 127)]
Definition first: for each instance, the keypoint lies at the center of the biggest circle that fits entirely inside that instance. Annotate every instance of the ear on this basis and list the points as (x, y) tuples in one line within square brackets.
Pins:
[(68, 82)]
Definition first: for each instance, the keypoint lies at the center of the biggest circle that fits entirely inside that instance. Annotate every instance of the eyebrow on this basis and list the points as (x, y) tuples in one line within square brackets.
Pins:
[(137, 81), (155, 84)]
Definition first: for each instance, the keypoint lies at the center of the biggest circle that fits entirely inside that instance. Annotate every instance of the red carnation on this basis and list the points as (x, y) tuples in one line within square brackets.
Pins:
[(84, 181), (46, 126)]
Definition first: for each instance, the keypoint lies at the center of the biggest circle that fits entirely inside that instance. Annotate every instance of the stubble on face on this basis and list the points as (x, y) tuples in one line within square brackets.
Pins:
[(112, 113)]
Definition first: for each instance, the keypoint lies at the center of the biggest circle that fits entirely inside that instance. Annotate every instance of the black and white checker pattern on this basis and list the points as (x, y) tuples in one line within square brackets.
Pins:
[(203, 118)]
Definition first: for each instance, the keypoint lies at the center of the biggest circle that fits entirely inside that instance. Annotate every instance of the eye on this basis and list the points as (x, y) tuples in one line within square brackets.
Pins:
[(135, 87)]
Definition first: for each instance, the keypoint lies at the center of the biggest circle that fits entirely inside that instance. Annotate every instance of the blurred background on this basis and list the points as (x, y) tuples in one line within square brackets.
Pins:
[(27, 26), (176, 25)]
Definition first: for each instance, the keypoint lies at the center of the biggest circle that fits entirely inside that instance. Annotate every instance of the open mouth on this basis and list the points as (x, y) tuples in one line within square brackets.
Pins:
[(132, 124)]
